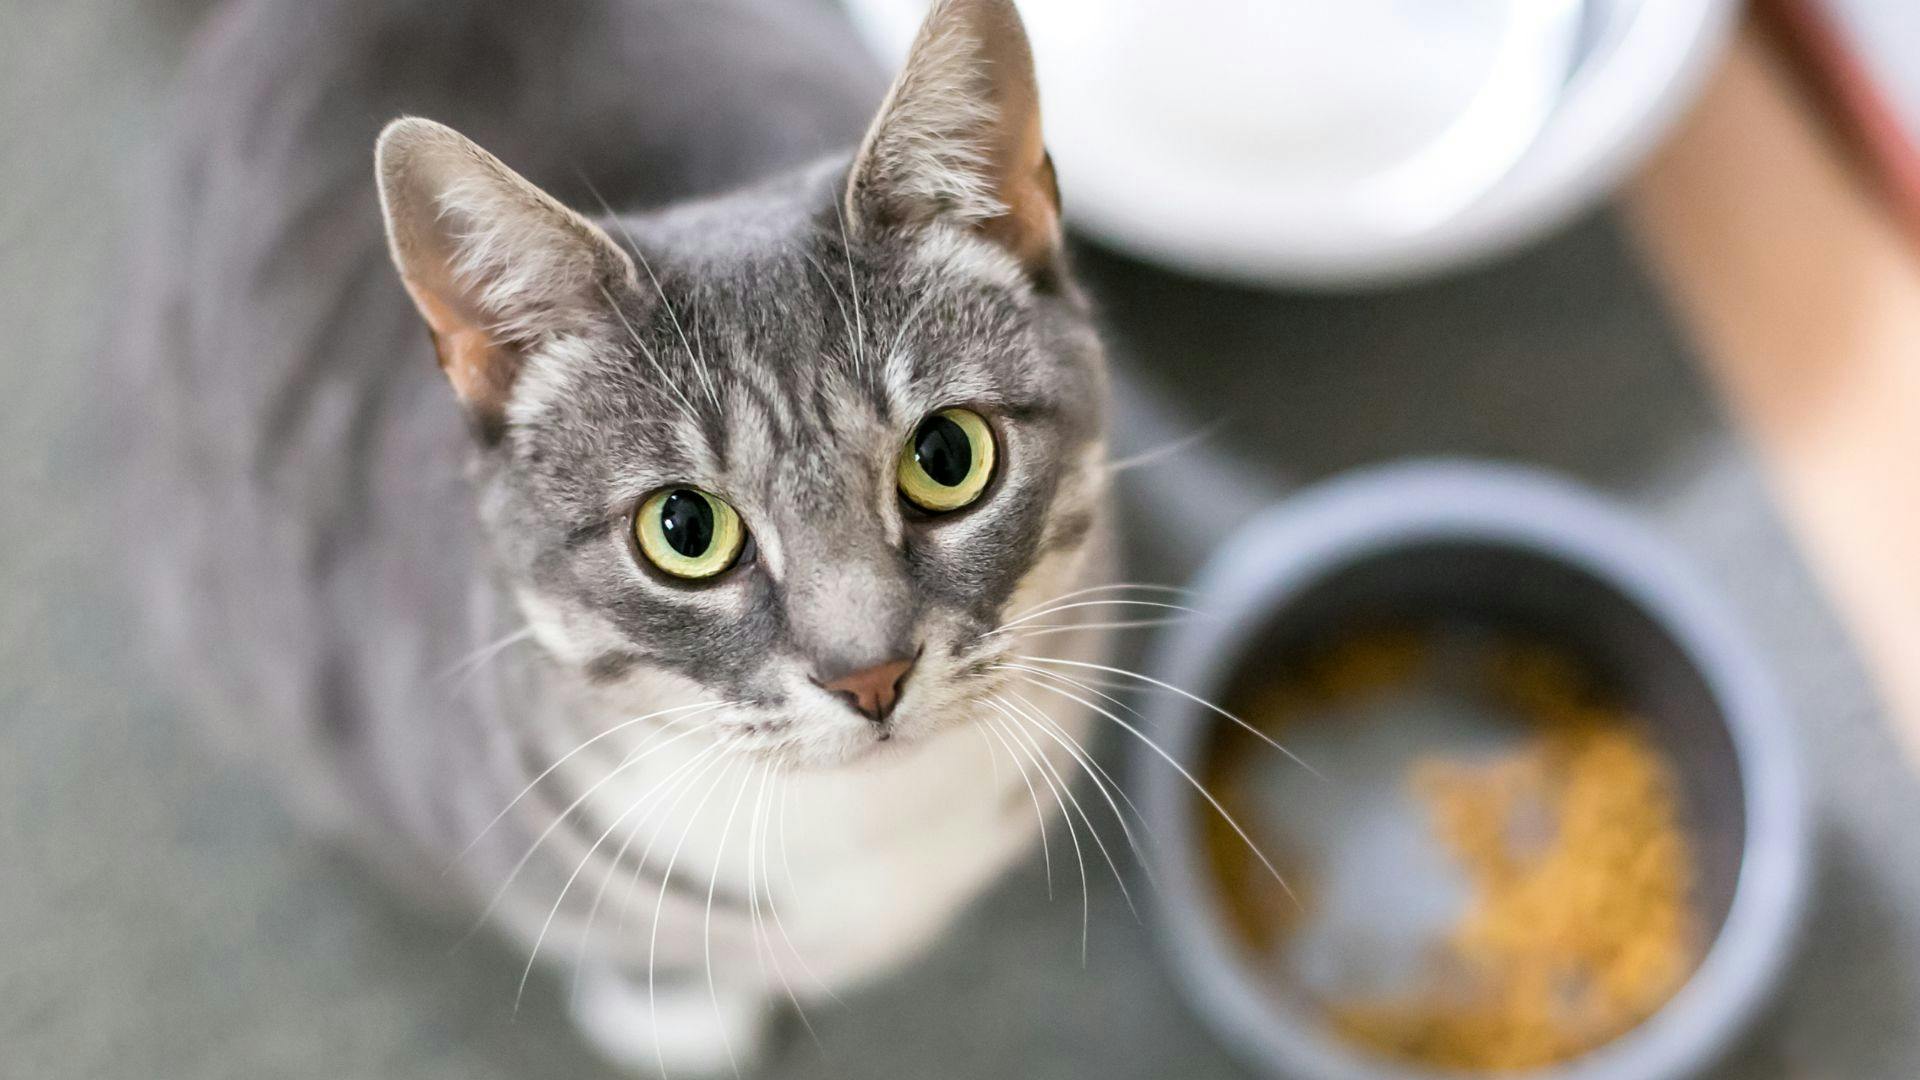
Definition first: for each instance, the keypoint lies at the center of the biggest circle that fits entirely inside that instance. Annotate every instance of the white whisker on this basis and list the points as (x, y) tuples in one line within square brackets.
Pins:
[(1021, 726), (793, 888), (853, 286), (993, 753), (1115, 586), (653, 938), (1165, 450), (1073, 833), (672, 385), (700, 370), (1103, 781), (682, 789), (627, 763), (694, 709), (1197, 786), (706, 928), (1044, 612), (910, 323), (847, 321), (757, 883), (567, 887), (1196, 699), (470, 664), (1039, 815), (1043, 629), (666, 786)]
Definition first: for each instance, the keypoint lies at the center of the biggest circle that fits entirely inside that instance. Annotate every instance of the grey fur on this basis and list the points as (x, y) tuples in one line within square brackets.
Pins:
[(324, 538)]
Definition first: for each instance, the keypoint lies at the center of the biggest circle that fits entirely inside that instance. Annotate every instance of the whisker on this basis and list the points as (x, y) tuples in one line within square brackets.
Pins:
[(706, 930), (1165, 450), (554, 911), (470, 664), (683, 788), (699, 364), (1073, 834), (1044, 612), (672, 385), (1041, 715), (1118, 686), (1182, 770), (630, 761), (666, 786), (846, 321), (853, 286), (753, 862), (773, 907), (1021, 727), (1196, 699), (660, 906), (757, 882), (993, 753), (1103, 781), (1039, 815), (1114, 586), (695, 709), (1043, 629)]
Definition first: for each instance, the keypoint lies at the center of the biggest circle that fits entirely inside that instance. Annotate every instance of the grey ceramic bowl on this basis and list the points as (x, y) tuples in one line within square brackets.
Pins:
[(1518, 548)]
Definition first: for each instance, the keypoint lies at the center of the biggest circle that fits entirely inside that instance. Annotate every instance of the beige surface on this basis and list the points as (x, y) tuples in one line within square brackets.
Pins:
[(1805, 302)]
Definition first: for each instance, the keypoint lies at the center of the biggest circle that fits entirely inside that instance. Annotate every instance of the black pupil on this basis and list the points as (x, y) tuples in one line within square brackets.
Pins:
[(943, 450), (686, 518)]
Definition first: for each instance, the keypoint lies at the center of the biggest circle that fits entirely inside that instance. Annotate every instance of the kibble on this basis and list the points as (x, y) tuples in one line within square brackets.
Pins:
[(1580, 921)]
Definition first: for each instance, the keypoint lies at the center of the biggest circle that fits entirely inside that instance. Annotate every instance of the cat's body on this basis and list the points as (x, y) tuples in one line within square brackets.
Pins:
[(309, 515)]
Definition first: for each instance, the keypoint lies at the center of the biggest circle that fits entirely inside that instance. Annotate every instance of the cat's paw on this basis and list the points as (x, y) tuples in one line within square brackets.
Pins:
[(679, 1034)]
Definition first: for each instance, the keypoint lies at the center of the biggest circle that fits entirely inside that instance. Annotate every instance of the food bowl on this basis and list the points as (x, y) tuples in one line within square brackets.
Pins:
[(1511, 549)]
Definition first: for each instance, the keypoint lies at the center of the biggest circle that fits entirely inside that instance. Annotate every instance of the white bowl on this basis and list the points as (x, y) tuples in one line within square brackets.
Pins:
[(1351, 143)]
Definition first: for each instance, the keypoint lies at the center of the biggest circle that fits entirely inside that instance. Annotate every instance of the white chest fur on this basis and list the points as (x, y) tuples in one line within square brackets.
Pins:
[(850, 870)]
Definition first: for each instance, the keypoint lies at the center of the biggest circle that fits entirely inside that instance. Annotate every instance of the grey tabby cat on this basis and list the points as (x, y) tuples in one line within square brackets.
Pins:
[(687, 626)]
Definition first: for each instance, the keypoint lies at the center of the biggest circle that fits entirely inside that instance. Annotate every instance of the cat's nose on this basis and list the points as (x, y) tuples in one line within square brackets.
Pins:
[(872, 690)]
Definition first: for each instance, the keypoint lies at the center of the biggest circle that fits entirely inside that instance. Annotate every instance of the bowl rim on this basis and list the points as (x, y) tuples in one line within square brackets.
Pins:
[(1271, 558), (1648, 63)]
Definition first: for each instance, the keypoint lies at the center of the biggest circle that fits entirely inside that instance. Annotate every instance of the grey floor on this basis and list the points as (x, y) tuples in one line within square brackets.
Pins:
[(159, 917)]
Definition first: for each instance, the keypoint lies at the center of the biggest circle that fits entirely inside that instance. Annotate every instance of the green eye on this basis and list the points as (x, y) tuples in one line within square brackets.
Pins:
[(688, 533), (947, 462)]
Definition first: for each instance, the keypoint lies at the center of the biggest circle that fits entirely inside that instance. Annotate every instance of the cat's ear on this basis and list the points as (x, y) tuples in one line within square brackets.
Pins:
[(493, 263), (958, 137)]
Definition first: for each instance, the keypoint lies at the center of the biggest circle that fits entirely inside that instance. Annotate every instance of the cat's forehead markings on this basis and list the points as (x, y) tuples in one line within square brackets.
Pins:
[(546, 375), (772, 395), (952, 252), (751, 432)]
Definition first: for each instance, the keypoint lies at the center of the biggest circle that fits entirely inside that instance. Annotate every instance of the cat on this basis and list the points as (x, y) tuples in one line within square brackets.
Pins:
[(679, 626)]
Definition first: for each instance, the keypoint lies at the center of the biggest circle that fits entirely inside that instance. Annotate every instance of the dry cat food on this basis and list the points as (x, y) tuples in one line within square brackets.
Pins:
[(1575, 919)]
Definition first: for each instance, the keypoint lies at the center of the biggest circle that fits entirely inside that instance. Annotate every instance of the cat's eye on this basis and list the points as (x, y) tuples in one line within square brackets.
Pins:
[(947, 461), (688, 533)]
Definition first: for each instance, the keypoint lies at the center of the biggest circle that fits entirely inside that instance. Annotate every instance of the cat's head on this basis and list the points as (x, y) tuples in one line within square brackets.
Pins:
[(801, 448)]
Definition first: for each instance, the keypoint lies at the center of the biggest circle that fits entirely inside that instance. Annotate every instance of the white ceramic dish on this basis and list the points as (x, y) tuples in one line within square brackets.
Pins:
[(1297, 142)]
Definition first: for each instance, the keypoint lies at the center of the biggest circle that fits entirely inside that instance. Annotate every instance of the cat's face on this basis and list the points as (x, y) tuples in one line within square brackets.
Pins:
[(800, 491), (800, 449)]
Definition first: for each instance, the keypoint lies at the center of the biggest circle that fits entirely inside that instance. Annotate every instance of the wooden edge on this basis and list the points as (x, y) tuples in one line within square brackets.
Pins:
[(1803, 298)]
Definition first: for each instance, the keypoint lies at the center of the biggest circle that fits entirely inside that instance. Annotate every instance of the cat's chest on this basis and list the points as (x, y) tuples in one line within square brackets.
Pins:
[(864, 864), (882, 861)]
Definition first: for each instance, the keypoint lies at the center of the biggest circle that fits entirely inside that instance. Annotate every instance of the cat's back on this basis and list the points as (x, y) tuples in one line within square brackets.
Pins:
[(300, 466)]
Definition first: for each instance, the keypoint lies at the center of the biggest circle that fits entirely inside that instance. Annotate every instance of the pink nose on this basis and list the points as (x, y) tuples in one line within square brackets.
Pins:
[(872, 690)]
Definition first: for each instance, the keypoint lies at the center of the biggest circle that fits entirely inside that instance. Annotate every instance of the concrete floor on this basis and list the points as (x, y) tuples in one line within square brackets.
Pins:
[(160, 918)]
